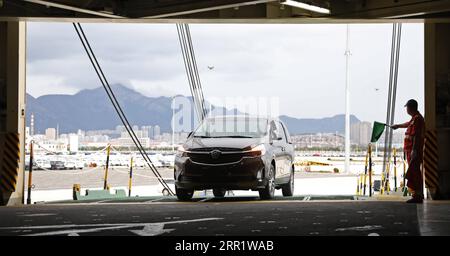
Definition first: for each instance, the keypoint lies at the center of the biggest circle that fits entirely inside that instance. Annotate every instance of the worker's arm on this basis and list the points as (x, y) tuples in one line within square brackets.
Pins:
[(396, 126)]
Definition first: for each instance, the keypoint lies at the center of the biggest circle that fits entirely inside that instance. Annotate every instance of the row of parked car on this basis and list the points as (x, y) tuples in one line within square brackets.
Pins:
[(75, 162), (54, 165)]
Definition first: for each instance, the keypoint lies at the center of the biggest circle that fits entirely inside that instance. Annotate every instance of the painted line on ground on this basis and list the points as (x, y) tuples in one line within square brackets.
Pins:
[(149, 228)]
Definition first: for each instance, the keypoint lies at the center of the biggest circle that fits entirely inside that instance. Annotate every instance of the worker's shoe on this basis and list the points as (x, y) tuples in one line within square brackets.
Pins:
[(415, 200)]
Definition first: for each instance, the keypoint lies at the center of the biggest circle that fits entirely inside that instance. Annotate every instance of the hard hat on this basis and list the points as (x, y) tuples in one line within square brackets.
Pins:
[(412, 104)]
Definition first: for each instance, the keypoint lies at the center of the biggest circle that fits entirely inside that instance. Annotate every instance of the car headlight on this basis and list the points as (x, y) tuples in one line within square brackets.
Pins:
[(181, 151), (258, 150)]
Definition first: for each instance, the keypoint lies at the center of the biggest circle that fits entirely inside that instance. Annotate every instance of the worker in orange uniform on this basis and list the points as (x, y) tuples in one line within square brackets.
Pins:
[(413, 146)]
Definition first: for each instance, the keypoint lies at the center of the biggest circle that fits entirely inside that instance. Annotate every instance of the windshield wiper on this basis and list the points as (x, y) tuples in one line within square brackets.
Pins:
[(234, 136), (201, 136)]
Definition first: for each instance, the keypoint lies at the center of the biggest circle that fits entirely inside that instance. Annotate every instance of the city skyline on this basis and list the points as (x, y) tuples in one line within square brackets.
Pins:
[(91, 110)]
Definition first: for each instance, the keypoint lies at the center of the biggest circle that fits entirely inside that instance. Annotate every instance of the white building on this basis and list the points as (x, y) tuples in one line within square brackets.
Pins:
[(73, 142), (50, 146), (128, 142), (50, 133)]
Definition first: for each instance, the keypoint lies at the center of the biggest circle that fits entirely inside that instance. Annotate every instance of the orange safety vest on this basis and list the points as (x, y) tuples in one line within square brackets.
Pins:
[(414, 125)]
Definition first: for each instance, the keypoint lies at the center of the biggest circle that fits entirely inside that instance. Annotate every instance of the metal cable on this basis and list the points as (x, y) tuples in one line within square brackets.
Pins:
[(196, 73), (394, 91), (192, 73), (187, 65), (121, 113), (388, 110), (393, 78), (116, 104)]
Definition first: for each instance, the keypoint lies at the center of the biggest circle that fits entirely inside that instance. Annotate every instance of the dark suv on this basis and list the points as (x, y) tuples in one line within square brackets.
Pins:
[(236, 153)]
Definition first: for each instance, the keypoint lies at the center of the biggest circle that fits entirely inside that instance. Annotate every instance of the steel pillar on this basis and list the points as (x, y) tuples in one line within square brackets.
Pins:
[(437, 107), (12, 111)]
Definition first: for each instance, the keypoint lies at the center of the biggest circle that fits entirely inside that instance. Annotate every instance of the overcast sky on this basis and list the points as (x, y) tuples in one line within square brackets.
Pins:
[(303, 65)]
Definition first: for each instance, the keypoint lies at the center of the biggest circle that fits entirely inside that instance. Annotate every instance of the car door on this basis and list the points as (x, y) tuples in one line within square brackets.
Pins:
[(284, 155), (276, 149), (288, 150)]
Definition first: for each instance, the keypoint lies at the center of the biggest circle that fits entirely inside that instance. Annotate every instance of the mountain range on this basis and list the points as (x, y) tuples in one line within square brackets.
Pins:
[(91, 109)]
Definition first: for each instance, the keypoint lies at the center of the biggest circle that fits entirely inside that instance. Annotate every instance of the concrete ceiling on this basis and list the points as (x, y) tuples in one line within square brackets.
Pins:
[(228, 10)]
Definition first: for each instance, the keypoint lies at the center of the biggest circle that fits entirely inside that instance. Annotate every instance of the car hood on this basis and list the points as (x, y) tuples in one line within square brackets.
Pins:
[(238, 143)]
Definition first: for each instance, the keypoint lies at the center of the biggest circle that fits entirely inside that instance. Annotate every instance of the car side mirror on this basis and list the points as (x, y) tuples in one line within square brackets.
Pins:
[(272, 136), (275, 136)]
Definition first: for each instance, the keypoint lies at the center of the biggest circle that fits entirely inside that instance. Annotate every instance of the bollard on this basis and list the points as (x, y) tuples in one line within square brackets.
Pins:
[(388, 177), (131, 178), (384, 185), (76, 188), (365, 173), (357, 185), (385, 178), (105, 184), (395, 169), (370, 169), (361, 183), (388, 186), (30, 174)]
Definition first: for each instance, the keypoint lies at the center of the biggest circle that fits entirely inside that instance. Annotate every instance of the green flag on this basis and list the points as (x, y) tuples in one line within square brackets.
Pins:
[(378, 129)]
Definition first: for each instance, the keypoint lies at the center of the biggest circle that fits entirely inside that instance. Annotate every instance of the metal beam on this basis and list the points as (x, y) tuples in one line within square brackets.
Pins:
[(73, 8), (206, 9), (212, 10), (389, 9)]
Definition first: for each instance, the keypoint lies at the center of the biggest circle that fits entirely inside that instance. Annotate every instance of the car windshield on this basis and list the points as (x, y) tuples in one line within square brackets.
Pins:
[(232, 127)]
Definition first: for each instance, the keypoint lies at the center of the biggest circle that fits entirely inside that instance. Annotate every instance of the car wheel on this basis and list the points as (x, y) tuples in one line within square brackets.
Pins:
[(288, 188), (269, 191), (184, 194), (219, 193)]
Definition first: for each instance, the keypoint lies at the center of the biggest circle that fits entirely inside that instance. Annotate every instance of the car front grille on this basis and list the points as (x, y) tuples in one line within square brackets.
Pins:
[(206, 157), (222, 149)]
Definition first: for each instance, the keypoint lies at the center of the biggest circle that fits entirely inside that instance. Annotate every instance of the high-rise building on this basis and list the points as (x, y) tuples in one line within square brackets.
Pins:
[(120, 129), (360, 133), (147, 131), (81, 133), (151, 131), (32, 125), (50, 134), (156, 131)]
